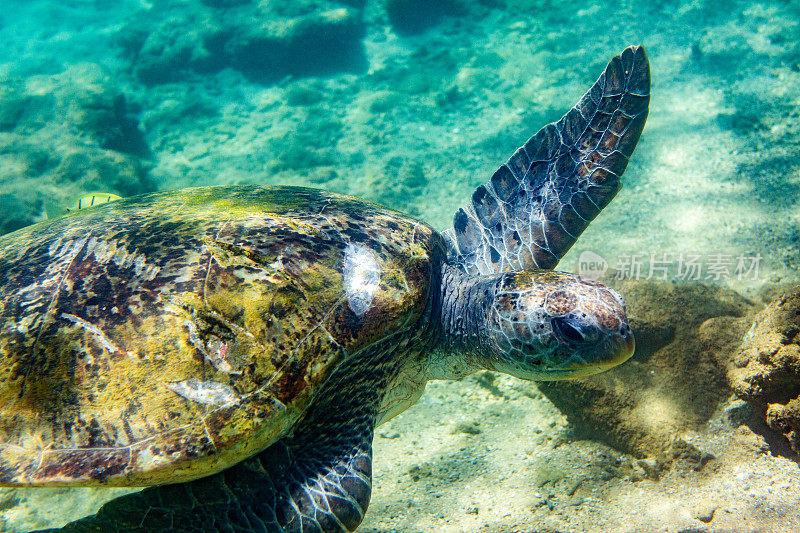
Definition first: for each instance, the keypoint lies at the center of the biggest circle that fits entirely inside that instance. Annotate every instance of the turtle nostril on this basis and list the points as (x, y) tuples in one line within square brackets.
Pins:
[(566, 330)]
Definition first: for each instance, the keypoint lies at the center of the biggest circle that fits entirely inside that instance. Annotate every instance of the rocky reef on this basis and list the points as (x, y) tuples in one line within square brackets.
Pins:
[(765, 370)]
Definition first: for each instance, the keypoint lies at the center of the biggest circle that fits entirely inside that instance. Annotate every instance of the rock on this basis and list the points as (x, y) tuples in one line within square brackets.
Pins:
[(468, 428), (8, 498), (786, 419), (704, 511), (547, 474), (649, 466), (266, 41), (685, 337), (737, 412), (766, 369), (62, 136)]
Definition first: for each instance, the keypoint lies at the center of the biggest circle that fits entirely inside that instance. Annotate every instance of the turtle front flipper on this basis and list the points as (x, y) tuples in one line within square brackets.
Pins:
[(317, 480), (536, 205), (274, 492)]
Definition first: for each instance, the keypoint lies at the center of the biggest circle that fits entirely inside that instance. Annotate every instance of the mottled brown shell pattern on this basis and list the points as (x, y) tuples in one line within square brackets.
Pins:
[(162, 338)]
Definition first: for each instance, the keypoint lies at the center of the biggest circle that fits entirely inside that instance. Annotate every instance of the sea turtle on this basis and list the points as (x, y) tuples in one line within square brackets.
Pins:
[(235, 347)]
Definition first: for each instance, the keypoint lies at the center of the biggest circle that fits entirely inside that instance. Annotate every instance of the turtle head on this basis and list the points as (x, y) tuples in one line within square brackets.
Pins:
[(547, 325)]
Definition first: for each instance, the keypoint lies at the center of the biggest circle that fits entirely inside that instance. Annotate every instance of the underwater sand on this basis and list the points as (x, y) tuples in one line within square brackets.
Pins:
[(427, 119)]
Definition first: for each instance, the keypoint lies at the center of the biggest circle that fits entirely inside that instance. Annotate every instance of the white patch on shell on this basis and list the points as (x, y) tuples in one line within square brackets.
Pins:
[(277, 264), (206, 392), (362, 275), (101, 337)]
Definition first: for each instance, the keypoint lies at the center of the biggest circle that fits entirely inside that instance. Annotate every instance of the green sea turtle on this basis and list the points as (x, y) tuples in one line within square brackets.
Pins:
[(235, 347)]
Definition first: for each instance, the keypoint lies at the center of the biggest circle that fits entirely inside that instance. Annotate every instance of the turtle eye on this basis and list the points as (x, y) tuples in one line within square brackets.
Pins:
[(566, 330)]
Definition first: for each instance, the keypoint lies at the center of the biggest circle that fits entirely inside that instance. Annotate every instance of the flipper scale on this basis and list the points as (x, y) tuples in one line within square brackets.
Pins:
[(538, 202)]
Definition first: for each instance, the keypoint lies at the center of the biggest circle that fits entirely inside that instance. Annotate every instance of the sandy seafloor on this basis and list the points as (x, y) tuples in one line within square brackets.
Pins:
[(416, 121)]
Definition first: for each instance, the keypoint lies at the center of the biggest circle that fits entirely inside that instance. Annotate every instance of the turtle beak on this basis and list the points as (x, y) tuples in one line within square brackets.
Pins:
[(623, 347), (615, 350), (627, 345)]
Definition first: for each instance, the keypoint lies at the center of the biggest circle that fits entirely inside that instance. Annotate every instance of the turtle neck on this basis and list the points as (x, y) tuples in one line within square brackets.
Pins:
[(465, 303)]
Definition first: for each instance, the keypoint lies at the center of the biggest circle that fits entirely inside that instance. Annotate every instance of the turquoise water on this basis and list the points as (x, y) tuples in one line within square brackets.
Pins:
[(413, 104)]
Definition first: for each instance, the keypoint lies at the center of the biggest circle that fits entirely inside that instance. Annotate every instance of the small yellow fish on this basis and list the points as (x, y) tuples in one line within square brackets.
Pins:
[(91, 199)]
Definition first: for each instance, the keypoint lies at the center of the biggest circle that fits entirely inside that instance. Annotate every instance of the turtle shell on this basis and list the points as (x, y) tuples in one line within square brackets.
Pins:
[(165, 337)]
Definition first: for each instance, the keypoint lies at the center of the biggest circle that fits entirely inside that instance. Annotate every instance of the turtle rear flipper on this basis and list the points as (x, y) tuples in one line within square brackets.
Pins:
[(536, 205)]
